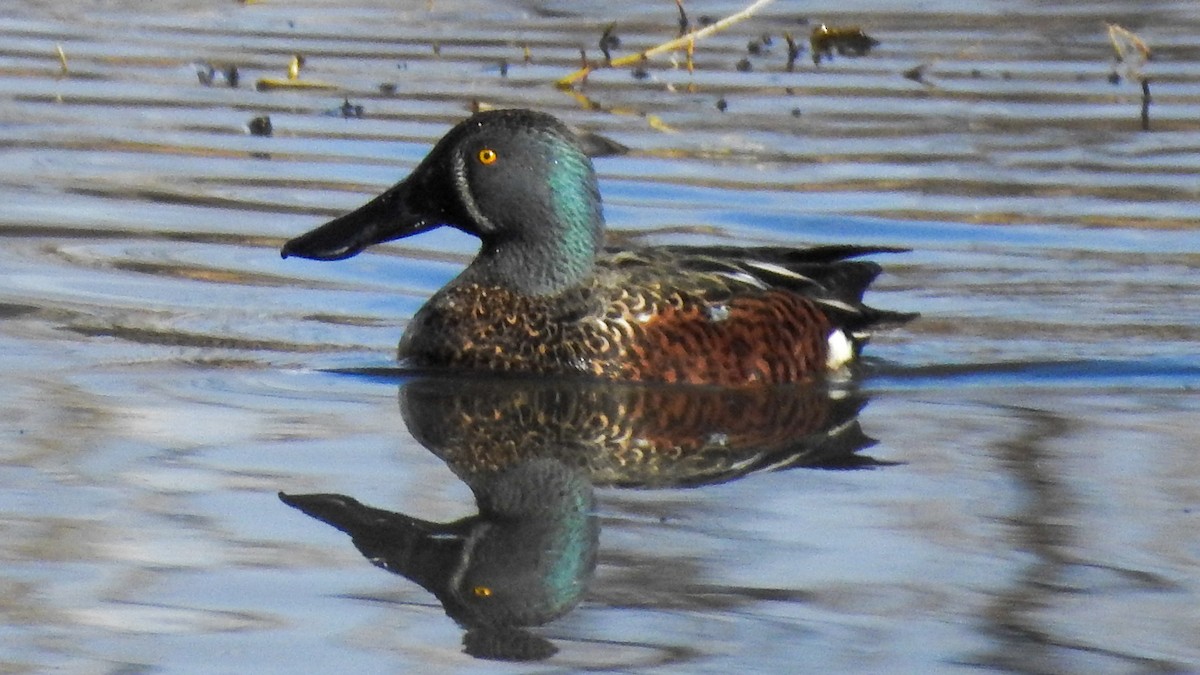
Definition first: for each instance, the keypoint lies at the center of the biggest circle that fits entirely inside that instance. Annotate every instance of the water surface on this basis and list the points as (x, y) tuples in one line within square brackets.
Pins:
[(1035, 503)]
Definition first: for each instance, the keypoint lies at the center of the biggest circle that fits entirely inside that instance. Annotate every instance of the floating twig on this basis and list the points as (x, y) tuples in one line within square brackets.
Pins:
[(1125, 42), (655, 122), (676, 43), (62, 60), (293, 80), (1132, 52)]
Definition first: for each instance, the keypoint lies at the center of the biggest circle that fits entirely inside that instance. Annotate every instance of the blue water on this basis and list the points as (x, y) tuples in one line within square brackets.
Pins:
[(1031, 502)]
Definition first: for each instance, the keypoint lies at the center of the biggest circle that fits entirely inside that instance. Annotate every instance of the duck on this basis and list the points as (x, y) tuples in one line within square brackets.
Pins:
[(544, 296)]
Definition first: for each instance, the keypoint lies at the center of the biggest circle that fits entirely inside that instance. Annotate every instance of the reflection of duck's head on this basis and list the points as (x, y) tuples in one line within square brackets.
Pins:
[(524, 560), (633, 435)]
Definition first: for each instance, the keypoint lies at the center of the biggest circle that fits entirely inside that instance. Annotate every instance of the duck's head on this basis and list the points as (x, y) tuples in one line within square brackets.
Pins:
[(519, 180)]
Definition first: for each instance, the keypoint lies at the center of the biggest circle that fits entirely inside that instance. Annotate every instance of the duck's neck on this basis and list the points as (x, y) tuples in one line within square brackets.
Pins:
[(544, 266), (555, 248)]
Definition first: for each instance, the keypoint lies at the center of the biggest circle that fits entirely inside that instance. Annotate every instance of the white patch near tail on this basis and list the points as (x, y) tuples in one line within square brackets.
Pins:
[(841, 350)]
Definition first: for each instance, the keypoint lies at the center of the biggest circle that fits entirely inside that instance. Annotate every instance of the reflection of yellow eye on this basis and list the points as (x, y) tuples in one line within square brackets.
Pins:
[(488, 156), (483, 591)]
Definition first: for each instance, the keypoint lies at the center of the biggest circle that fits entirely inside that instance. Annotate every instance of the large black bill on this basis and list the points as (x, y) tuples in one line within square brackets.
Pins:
[(391, 215)]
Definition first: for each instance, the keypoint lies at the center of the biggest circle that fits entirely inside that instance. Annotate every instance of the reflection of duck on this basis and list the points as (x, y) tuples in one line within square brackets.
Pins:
[(544, 297), (530, 450)]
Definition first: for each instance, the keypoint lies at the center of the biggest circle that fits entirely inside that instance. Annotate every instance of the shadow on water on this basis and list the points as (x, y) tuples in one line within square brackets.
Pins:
[(532, 451)]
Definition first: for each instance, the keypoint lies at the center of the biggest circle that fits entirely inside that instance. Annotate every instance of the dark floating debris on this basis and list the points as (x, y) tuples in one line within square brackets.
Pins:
[(1145, 104), (209, 75), (608, 42), (760, 45), (744, 66), (794, 51), (684, 24), (348, 110), (706, 20), (916, 73), (796, 112), (640, 72), (387, 88), (585, 67), (260, 126), (848, 41), (503, 67), (722, 104)]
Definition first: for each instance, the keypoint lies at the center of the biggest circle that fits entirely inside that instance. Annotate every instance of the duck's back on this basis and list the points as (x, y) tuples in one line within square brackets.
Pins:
[(716, 315)]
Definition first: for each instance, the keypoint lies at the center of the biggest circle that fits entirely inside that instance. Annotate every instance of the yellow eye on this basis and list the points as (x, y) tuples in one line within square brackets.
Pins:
[(483, 591), (488, 156)]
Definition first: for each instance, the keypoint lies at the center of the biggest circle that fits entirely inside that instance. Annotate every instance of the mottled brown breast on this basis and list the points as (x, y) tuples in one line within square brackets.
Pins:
[(476, 327)]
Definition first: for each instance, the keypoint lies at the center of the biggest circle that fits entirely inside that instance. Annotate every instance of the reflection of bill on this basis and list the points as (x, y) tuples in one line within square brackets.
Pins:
[(531, 451)]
